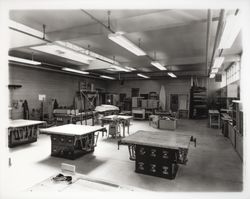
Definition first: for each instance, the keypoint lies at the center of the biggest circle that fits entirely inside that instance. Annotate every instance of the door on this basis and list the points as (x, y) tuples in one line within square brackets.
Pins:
[(183, 102), (135, 92), (174, 102)]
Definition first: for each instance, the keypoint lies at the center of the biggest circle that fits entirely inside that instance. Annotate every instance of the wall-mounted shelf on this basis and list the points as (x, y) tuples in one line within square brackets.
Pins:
[(14, 86)]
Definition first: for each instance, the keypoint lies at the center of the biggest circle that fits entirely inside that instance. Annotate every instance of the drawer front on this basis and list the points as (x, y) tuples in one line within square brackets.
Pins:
[(63, 140), (167, 170), (156, 154)]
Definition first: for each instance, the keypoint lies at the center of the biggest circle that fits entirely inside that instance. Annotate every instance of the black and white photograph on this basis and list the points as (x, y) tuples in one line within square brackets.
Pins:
[(104, 100)]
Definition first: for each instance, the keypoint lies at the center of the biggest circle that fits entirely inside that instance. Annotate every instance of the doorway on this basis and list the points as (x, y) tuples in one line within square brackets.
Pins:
[(174, 102)]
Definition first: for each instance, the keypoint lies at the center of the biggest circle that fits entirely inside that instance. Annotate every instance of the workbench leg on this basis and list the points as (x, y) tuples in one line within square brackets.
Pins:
[(123, 123), (210, 120), (128, 126)]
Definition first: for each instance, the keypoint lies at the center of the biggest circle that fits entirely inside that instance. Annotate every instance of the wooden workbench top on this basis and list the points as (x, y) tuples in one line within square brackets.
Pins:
[(124, 117), (22, 123), (158, 139), (71, 129)]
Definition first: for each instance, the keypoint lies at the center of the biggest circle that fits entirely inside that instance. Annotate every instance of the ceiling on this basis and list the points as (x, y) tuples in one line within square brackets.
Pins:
[(175, 38)]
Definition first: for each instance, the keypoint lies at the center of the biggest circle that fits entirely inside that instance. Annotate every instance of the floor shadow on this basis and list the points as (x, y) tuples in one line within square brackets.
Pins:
[(84, 164), (22, 147), (111, 140)]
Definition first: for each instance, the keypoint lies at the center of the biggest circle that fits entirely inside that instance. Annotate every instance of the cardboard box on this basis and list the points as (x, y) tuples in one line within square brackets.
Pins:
[(167, 124)]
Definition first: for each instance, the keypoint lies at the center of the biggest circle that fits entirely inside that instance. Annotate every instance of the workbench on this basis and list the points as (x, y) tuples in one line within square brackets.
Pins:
[(225, 119), (73, 118), (124, 120), (157, 153), (23, 131), (72, 141)]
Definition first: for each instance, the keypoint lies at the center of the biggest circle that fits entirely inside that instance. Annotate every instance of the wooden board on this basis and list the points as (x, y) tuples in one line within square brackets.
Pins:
[(80, 183), (162, 97), (22, 123), (124, 117), (71, 129), (158, 139)]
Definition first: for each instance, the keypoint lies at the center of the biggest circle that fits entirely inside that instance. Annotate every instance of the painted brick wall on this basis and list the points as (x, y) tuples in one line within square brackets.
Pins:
[(172, 86), (54, 85)]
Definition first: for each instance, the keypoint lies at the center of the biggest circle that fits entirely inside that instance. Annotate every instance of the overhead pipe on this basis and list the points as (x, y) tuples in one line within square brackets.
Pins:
[(26, 33), (91, 75), (46, 40), (209, 21), (218, 31), (98, 21)]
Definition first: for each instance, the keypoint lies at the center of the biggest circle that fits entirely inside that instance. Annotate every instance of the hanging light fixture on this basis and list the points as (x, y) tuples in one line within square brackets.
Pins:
[(212, 75), (218, 62), (141, 75), (125, 43), (21, 60), (75, 71), (65, 52), (157, 64), (172, 75), (107, 77)]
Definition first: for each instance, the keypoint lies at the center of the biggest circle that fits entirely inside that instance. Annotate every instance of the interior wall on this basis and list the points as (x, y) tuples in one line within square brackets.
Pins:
[(54, 85), (172, 86)]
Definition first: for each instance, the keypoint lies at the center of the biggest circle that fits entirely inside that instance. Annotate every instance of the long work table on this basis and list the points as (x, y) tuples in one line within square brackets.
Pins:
[(157, 153), (23, 131), (72, 141)]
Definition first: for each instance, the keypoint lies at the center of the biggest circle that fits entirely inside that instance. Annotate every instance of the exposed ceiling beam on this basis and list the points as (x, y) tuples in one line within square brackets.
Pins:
[(218, 32), (209, 21), (159, 74)]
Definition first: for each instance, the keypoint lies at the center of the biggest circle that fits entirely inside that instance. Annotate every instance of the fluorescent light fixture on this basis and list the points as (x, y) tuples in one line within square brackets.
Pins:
[(111, 69), (84, 51), (172, 75), (218, 62), (106, 77), (26, 61), (119, 68), (125, 43), (158, 65), (214, 70), (141, 75), (212, 75), (130, 68), (75, 71), (230, 31), (64, 52)]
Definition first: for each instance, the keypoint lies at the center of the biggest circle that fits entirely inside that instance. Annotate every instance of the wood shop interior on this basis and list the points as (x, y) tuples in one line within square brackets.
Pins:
[(125, 99)]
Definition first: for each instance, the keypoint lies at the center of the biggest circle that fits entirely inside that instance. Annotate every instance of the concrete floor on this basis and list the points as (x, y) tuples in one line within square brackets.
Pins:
[(212, 166)]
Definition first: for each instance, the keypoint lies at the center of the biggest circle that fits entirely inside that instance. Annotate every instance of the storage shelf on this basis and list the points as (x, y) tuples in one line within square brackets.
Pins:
[(198, 102)]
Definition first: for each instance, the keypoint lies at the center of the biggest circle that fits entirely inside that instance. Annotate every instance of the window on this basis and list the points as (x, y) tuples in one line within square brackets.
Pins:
[(233, 73), (223, 79)]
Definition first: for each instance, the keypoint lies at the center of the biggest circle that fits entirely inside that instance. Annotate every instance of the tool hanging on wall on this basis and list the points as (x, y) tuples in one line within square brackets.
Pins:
[(25, 110)]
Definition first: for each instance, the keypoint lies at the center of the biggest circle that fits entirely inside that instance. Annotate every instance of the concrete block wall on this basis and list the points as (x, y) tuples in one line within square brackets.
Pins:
[(172, 86), (56, 85)]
